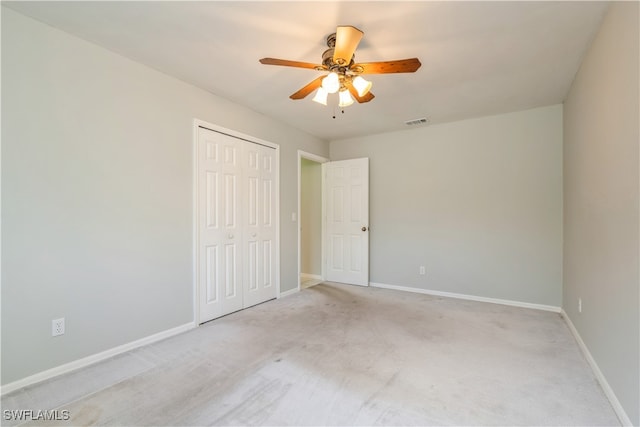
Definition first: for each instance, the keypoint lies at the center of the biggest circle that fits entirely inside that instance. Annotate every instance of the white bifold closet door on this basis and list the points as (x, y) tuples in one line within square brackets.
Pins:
[(236, 224)]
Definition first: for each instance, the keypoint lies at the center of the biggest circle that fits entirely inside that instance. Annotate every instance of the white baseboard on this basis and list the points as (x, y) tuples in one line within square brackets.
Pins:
[(608, 391), (287, 293), (307, 276), (468, 297), (90, 360)]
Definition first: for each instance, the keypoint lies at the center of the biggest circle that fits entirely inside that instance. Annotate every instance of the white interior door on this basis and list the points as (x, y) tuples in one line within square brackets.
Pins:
[(220, 233), (346, 201)]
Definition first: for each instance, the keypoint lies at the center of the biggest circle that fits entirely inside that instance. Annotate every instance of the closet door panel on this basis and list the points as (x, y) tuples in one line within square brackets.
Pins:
[(268, 227), (220, 232), (260, 227)]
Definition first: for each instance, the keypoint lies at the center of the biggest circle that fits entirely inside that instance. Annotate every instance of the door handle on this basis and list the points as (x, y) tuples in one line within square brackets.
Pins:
[(230, 236), (364, 228)]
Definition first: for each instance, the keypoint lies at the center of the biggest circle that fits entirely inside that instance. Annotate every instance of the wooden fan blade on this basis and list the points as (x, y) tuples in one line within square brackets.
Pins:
[(347, 40), (366, 98), (306, 90), (386, 67), (287, 63)]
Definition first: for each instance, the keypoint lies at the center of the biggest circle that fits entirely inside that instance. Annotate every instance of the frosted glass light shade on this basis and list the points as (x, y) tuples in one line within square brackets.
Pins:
[(362, 86), (321, 96), (345, 99), (331, 83)]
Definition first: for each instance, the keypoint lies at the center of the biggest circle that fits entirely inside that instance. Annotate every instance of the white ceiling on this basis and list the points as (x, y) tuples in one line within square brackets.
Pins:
[(478, 58)]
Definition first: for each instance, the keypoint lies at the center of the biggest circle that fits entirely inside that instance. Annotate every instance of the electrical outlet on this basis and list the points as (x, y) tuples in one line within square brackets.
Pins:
[(579, 305), (422, 270), (57, 327)]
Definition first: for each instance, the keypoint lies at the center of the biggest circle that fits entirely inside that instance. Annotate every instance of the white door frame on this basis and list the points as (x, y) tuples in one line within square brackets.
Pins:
[(197, 123), (318, 159)]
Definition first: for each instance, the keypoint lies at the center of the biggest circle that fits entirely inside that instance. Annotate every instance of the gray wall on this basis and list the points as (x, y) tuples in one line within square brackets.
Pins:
[(478, 202), (310, 217), (601, 203), (97, 195)]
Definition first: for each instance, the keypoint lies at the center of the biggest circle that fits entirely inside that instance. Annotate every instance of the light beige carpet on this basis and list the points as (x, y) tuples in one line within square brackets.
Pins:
[(343, 355)]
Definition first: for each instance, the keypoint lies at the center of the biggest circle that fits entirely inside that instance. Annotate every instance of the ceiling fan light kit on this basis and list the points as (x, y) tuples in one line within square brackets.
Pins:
[(331, 83), (345, 99), (362, 86), (344, 74), (321, 96)]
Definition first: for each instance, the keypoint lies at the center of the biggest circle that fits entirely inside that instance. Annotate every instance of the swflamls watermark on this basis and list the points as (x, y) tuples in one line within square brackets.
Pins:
[(36, 415)]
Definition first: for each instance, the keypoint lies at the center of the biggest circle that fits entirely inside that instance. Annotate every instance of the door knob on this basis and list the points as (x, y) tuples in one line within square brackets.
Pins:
[(253, 234), (364, 228), (230, 236)]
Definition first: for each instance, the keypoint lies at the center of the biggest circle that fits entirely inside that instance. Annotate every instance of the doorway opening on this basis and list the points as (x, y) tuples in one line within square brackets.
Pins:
[(310, 221)]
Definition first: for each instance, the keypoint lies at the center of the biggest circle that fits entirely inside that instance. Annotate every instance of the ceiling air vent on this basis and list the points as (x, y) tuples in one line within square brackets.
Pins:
[(421, 121)]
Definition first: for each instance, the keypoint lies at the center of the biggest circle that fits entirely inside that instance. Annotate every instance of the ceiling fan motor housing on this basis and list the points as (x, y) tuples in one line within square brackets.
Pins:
[(327, 61), (327, 58)]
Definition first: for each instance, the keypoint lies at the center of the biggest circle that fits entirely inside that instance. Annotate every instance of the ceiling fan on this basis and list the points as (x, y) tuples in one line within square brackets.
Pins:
[(345, 75)]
